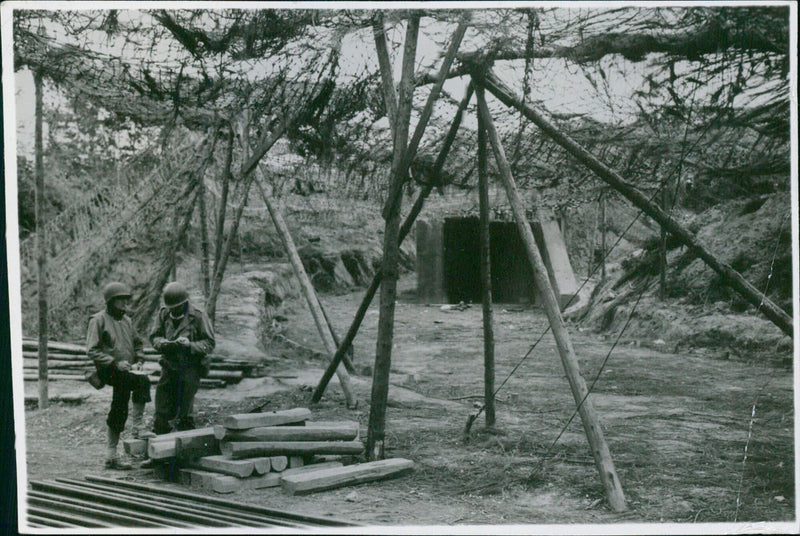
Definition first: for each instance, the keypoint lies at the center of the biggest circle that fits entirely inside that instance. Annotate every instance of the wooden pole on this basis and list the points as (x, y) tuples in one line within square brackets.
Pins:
[(385, 64), (591, 423), (308, 291), (486, 275), (727, 274), (404, 230), (41, 244), (662, 287), (347, 359), (603, 234), (391, 253)]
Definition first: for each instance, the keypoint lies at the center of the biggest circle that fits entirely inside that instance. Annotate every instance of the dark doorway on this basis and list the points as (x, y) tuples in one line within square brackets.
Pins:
[(512, 276)]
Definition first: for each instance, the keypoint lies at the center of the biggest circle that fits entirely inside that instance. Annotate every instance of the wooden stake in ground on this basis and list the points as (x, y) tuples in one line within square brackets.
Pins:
[(591, 424), (41, 245), (486, 276), (727, 274), (404, 230), (310, 294)]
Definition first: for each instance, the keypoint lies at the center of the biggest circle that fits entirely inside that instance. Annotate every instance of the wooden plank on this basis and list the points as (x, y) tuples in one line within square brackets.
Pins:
[(279, 463), (247, 449), (225, 466), (135, 447), (229, 376), (311, 467), (268, 480), (244, 421), (201, 441), (309, 482), (346, 432)]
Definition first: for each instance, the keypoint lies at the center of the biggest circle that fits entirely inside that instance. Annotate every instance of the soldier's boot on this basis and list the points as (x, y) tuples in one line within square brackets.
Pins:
[(137, 423), (113, 460)]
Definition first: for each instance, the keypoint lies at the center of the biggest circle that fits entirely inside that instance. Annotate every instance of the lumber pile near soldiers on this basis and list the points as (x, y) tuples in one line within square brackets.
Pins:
[(264, 450), (67, 361)]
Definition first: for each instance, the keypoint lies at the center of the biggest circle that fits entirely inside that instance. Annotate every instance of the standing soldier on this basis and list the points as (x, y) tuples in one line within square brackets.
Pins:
[(184, 337), (116, 349)]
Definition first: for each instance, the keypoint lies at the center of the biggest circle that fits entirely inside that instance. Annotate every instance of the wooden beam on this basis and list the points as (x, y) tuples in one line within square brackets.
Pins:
[(225, 466), (308, 292), (302, 483), (591, 423), (168, 445), (248, 449), (346, 432), (404, 230), (243, 421), (727, 274), (310, 468), (486, 275), (41, 241)]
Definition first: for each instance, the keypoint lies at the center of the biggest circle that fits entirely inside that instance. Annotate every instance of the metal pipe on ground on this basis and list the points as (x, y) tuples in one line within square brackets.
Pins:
[(172, 501), (310, 520), (96, 511), (183, 514), (163, 521), (76, 520)]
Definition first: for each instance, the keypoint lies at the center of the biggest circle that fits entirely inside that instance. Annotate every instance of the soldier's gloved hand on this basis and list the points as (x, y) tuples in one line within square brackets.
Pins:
[(182, 341), (123, 366)]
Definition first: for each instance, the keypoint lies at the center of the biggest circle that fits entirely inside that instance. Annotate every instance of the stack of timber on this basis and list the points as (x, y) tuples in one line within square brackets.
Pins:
[(271, 449), (67, 361), (98, 502)]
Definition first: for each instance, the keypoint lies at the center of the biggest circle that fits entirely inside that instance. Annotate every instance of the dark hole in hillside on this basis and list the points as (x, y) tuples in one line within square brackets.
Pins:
[(512, 276)]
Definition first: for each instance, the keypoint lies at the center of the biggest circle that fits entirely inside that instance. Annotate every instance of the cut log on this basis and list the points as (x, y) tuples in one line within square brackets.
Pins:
[(248, 449), (198, 441), (226, 466), (295, 462), (261, 465), (312, 467), (279, 463), (211, 481), (308, 482), (244, 421), (135, 447), (332, 432)]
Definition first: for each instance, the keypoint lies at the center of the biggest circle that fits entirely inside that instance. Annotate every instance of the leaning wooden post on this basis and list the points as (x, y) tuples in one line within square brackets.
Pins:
[(591, 423), (662, 250), (727, 274), (391, 252), (308, 292), (404, 230), (486, 275), (603, 234), (41, 244)]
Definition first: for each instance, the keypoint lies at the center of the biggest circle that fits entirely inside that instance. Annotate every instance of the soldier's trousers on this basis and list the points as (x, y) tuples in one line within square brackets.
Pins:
[(125, 384), (175, 399)]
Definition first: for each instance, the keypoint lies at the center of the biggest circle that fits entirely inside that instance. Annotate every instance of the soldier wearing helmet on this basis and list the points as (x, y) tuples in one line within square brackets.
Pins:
[(184, 337), (116, 349)]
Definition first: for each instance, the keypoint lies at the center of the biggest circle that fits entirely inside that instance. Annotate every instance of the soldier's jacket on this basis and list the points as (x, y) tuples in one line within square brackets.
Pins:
[(196, 327), (109, 340)]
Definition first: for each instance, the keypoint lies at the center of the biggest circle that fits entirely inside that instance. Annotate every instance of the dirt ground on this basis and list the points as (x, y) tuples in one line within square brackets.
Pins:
[(678, 425)]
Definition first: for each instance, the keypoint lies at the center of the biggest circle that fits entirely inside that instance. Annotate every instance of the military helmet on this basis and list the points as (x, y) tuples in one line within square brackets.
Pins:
[(175, 294), (116, 290)]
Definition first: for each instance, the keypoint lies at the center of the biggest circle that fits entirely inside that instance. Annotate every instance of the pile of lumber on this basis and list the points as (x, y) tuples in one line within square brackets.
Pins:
[(262, 450), (67, 361)]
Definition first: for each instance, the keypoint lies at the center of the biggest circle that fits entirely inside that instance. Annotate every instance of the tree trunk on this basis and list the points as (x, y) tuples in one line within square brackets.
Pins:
[(247, 175), (486, 276), (662, 250), (591, 424), (204, 251), (391, 252), (603, 234), (308, 291), (727, 274), (404, 230), (223, 203), (41, 245)]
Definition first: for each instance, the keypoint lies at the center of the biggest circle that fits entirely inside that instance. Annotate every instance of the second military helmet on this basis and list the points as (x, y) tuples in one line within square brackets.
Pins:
[(175, 294)]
